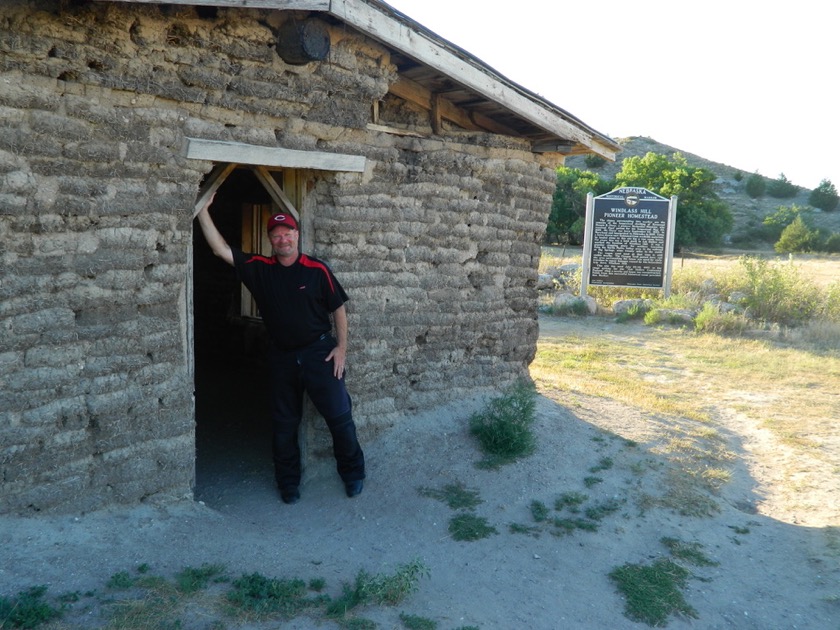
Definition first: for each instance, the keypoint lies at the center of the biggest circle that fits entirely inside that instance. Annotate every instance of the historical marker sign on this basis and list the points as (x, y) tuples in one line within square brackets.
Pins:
[(629, 234)]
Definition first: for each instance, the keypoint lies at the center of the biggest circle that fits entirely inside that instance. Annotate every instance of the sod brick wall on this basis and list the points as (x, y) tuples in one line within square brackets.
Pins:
[(437, 242)]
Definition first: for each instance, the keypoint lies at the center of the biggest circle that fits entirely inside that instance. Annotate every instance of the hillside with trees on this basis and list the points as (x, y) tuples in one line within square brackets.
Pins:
[(750, 198)]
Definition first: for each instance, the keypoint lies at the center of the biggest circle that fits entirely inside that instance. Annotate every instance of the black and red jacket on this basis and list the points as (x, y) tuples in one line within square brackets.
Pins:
[(295, 302)]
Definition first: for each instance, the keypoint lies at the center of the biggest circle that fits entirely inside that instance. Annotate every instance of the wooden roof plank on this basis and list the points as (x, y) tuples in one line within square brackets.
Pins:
[(282, 5), (378, 25)]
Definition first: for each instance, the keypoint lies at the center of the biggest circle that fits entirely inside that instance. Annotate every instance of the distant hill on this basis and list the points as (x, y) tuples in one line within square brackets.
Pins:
[(748, 212)]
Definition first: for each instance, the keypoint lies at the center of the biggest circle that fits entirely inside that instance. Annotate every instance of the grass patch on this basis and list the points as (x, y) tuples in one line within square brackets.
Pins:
[(519, 528), (688, 552), (27, 609), (539, 511), (149, 602), (652, 593), (256, 596), (563, 526), (388, 590), (601, 510), (604, 464), (415, 622), (570, 501), (503, 427), (455, 495), (469, 527), (191, 580)]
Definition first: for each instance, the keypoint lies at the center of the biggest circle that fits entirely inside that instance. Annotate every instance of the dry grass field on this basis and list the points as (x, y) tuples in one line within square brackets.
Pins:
[(823, 269)]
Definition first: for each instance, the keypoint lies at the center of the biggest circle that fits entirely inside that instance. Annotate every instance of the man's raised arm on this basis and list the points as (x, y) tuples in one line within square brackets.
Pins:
[(214, 238)]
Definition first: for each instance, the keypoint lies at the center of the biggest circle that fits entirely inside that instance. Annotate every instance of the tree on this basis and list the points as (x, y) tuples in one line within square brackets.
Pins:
[(569, 203), (702, 218), (824, 196), (797, 237), (774, 224)]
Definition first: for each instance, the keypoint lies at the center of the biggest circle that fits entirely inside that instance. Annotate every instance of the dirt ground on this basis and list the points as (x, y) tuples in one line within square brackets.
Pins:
[(775, 569)]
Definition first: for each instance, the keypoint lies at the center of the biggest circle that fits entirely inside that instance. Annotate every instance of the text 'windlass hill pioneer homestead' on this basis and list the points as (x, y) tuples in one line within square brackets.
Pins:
[(421, 176)]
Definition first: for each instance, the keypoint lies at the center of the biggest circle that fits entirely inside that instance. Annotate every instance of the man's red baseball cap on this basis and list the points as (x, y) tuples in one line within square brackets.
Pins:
[(281, 219)]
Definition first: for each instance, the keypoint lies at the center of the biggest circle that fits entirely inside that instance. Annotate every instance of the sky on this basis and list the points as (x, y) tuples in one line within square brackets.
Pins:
[(747, 83)]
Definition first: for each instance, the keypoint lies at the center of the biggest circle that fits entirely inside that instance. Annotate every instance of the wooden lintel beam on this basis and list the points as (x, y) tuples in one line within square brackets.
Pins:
[(223, 151)]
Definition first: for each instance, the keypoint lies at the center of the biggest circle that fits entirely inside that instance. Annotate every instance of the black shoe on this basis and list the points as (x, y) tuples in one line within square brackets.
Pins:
[(354, 488), (290, 494)]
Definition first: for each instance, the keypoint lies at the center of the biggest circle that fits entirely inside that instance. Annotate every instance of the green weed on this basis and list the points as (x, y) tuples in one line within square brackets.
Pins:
[(255, 595), (570, 501), (653, 592), (27, 610), (602, 510), (413, 622), (503, 427), (688, 552), (604, 464), (455, 495), (539, 511), (191, 580), (468, 527), (380, 589)]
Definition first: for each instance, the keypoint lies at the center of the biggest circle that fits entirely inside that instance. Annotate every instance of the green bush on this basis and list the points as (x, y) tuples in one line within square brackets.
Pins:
[(503, 427), (756, 186), (832, 244), (782, 188), (778, 292), (774, 224), (824, 196), (568, 205), (27, 610), (711, 319), (797, 237), (594, 161)]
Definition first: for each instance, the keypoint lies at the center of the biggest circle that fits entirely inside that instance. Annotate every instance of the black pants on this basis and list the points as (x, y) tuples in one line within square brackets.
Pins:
[(293, 373)]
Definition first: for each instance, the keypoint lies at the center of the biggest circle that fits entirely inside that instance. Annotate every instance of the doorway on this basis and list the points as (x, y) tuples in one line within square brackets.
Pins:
[(233, 428)]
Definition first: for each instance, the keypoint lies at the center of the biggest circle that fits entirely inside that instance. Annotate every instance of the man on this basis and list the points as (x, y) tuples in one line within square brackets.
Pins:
[(296, 294)]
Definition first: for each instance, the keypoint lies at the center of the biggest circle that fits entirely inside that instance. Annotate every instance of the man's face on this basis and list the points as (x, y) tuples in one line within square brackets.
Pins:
[(284, 242)]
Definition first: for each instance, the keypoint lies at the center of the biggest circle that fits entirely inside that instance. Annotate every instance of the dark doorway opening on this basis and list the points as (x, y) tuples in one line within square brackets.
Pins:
[(233, 433)]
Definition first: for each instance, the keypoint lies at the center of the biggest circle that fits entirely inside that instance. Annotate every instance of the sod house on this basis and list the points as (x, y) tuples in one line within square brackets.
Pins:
[(422, 176)]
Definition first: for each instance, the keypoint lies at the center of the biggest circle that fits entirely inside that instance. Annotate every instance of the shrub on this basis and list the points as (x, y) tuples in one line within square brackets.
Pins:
[(569, 203), (824, 196), (774, 224), (27, 610), (782, 188), (797, 237), (756, 186), (778, 293), (832, 243), (503, 428), (712, 320), (594, 161)]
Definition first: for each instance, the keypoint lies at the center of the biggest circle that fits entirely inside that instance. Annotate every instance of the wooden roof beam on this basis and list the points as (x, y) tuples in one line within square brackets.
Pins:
[(445, 109)]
